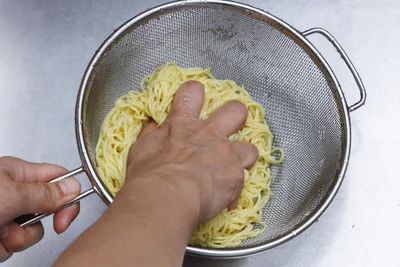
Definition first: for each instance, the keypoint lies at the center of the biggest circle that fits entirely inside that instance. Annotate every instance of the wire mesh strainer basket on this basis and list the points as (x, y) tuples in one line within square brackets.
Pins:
[(280, 68)]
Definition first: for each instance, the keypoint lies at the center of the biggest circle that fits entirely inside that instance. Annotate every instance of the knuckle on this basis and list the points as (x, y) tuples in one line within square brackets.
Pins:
[(230, 149), (227, 148), (47, 196), (177, 119), (175, 125), (210, 128), (226, 151)]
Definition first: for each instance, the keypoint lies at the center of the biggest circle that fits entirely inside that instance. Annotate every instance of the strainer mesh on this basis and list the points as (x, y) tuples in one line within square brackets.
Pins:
[(276, 69)]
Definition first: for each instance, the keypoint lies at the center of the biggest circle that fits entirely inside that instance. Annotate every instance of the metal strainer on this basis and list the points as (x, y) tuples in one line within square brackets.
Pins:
[(281, 69)]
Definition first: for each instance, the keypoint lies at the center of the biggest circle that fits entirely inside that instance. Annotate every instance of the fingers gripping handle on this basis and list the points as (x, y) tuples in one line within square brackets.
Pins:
[(340, 50), (27, 220)]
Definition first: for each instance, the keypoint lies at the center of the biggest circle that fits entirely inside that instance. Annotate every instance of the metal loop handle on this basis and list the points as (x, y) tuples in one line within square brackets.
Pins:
[(340, 50), (27, 220)]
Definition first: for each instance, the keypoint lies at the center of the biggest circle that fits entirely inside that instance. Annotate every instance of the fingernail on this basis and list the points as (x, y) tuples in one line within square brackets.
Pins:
[(3, 231), (70, 186)]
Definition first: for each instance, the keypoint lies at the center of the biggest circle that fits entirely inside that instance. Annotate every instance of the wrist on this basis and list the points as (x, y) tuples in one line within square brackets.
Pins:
[(161, 195)]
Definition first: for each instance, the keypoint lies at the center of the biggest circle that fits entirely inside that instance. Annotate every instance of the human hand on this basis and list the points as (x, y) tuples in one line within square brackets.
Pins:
[(195, 156), (23, 190)]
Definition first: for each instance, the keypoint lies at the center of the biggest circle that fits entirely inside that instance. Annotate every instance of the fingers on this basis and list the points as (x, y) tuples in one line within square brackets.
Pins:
[(247, 153), (63, 219), (188, 100), (14, 238), (45, 197), (18, 238), (28, 172), (29, 193), (229, 118)]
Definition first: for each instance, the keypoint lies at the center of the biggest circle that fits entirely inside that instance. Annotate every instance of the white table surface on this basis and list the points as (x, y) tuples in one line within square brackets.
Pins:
[(46, 45)]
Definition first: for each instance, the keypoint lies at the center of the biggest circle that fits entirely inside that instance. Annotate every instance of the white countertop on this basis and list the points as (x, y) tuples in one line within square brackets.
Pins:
[(46, 45)]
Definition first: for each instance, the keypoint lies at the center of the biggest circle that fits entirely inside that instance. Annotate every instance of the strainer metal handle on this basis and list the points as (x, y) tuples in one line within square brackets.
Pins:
[(28, 220), (353, 70)]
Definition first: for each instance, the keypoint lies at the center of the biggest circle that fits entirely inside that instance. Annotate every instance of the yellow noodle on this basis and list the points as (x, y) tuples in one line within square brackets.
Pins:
[(133, 110)]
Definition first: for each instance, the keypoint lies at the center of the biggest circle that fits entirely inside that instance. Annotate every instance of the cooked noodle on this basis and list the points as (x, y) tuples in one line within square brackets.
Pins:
[(133, 110)]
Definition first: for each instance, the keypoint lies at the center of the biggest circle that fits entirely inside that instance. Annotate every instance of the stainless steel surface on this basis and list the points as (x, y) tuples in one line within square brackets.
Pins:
[(282, 71), (62, 36)]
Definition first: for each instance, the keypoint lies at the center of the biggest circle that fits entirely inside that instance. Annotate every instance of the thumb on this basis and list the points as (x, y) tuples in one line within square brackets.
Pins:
[(47, 197)]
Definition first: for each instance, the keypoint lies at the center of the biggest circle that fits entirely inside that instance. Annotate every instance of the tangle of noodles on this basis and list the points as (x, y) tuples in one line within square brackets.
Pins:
[(133, 110)]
